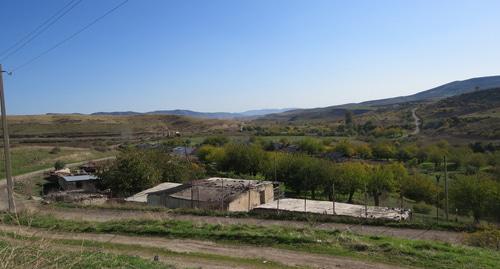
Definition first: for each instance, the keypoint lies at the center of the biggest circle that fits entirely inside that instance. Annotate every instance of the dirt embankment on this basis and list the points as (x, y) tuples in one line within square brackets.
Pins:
[(286, 257)]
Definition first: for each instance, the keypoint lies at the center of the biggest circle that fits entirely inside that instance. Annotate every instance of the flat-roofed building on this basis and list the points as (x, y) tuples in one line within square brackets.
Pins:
[(216, 194)]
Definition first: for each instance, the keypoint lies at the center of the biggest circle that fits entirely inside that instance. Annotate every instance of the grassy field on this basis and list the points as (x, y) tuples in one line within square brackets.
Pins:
[(46, 126), (415, 253), (21, 252), (32, 158)]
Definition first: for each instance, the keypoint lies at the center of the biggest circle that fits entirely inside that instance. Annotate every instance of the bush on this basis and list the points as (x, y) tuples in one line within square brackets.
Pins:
[(422, 208), (55, 150), (487, 238), (58, 165)]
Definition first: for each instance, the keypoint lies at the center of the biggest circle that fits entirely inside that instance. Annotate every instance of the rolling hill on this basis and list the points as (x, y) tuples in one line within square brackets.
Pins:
[(196, 114), (334, 113)]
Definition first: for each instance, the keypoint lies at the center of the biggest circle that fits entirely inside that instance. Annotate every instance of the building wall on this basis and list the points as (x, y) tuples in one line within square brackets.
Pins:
[(261, 195), (250, 199), (161, 199), (88, 185)]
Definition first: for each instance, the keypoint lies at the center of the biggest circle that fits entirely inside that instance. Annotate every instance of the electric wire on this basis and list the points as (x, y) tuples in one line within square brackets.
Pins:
[(39, 30), (58, 44)]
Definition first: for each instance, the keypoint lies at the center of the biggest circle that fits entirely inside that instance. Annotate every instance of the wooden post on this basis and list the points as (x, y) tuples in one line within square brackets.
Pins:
[(278, 200), (446, 188), (366, 203), (437, 198), (192, 190), (6, 148), (333, 198), (305, 203), (249, 190)]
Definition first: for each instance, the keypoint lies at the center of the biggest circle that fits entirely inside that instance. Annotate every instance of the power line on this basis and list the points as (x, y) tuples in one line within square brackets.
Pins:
[(69, 37), (39, 30)]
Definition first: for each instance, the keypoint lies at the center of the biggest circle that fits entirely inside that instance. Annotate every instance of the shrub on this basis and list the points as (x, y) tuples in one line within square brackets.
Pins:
[(422, 208), (59, 165), (55, 150), (487, 238)]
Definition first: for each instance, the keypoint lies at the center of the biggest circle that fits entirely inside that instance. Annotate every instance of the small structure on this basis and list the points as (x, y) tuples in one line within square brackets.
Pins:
[(141, 197), (90, 167), (78, 182), (342, 209), (215, 193)]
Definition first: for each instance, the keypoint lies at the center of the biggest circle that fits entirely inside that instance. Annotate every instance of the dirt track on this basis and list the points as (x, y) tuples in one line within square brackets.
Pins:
[(417, 121), (108, 214), (286, 257)]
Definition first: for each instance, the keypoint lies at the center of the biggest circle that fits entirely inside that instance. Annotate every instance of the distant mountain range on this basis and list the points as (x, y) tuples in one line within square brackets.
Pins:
[(443, 91), (196, 114), (334, 112)]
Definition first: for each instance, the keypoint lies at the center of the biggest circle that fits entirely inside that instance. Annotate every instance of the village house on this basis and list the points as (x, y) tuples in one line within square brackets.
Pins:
[(78, 182), (215, 194)]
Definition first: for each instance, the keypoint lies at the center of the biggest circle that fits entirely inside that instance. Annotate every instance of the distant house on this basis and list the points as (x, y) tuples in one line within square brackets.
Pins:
[(79, 182), (215, 193), (141, 197), (90, 167), (145, 146)]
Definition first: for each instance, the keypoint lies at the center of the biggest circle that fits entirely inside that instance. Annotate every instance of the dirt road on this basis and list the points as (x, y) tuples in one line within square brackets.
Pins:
[(109, 214), (286, 257), (417, 121)]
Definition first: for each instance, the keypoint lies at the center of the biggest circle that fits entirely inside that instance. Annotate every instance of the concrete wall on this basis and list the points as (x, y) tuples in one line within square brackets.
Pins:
[(243, 202), (87, 185), (161, 199), (248, 200)]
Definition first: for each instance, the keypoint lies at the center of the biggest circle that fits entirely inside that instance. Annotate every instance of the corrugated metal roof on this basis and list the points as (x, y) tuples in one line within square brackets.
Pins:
[(142, 197), (79, 178)]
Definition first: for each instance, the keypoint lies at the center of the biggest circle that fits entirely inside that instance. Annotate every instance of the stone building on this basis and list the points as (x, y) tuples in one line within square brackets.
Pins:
[(215, 194)]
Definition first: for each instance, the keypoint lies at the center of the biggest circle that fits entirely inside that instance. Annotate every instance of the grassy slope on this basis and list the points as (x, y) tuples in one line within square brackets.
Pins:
[(38, 254), (86, 125), (468, 115), (415, 253), (29, 159)]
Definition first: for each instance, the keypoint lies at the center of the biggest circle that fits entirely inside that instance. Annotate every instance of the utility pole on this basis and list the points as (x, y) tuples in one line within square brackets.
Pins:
[(446, 188), (437, 198), (366, 203), (279, 185), (6, 148), (333, 198)]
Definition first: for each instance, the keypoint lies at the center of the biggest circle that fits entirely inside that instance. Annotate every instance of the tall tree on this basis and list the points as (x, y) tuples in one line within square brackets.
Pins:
[(381, 180)]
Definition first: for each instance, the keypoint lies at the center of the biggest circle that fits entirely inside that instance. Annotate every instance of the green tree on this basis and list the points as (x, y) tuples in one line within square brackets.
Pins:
[(384, 151), (352, 176), (419, 187), (470, 194), (474, 162), (216, 141), (345, 148), (130, 173), (310, 146), (364, 151), (381, 180), (243, 159)]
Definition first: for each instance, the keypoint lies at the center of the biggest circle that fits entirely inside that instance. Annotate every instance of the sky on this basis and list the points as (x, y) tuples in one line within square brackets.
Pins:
[(236, 55)]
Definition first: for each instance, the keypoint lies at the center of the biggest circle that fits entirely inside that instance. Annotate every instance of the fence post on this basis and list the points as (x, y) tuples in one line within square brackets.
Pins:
[(333, 198)]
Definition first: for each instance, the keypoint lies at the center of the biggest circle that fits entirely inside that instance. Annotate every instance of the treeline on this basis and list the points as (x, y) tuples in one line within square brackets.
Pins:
[(307, 175), (135, 170)]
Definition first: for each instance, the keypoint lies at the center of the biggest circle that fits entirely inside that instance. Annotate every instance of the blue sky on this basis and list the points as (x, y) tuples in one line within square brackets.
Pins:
[(237, 55)]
